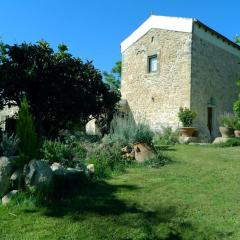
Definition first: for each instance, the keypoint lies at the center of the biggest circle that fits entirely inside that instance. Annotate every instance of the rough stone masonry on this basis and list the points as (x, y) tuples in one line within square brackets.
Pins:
[(194, 67)]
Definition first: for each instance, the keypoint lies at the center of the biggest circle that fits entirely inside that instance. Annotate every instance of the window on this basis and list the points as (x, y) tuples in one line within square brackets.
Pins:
[(152, 64)]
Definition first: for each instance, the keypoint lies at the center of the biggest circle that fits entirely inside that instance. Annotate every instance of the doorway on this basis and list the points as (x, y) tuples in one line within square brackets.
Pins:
[(210, 120)]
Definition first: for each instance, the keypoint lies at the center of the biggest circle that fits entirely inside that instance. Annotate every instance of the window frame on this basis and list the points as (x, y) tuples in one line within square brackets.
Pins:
[(149, 62)]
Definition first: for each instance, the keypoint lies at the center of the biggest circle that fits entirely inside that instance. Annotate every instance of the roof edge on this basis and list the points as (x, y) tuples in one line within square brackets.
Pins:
[(219, 35), (160, 22), (179, 24)]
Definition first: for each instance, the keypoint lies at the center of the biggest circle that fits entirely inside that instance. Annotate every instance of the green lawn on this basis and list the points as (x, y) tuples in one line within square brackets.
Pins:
[(197, 196)]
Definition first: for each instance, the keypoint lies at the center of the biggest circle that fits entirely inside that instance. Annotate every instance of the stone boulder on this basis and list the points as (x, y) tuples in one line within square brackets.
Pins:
[(90, 169), (38, 174), (8, 197), (5, 174), (16, 179), (57, 169), (220, 140), (187, 140)]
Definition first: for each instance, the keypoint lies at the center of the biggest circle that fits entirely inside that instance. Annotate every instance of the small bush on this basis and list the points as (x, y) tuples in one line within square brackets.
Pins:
[(232, 142), (107, 159), (227, 120), (186, 116), (26, 133), (236, 124), (236, 108), (9, 145), (166, 137), (125, 132), (143, 134), (158, 161), (56, 151), (122, 131)]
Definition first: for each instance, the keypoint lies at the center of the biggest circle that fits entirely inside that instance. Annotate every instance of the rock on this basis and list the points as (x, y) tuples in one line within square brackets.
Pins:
[(57, 169), (187, 140), (73, 171), (5, 174), (16, 179), (220, 140), (126, 149), (90, 168), (38, 174), (8, 197), (92, 128), (142, 152)]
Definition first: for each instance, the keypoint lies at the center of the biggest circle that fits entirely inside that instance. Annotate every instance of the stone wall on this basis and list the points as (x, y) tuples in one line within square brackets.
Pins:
[(214, 74), (7, 112), (155, 98)]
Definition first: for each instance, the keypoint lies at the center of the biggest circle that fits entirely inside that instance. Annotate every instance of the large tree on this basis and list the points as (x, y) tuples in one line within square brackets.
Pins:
[(59, 87), (113, 79)]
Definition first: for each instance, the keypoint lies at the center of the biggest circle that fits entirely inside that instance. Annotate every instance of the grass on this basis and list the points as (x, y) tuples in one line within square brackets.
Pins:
[(195, 197)]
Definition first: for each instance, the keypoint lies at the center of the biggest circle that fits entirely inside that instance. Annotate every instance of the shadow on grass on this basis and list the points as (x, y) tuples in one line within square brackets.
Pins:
[(99, 207), (99, 200)]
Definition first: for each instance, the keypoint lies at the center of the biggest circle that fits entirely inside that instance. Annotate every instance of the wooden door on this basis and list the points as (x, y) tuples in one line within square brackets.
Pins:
[(210, 119)]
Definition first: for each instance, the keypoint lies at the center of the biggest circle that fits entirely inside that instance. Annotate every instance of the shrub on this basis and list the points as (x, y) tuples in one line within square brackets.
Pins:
[(26, 133), (158, 161), (227, 120), (9, 145), (236, 108), (125, 132), (56, 151), (232, 142), (68, 155), (107, 159), (122, 131), (143, 134), (186, 116), (166, 137), (236, 124)]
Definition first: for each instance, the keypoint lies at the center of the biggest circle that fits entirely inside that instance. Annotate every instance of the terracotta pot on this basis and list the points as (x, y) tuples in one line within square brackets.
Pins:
[(187, 131), (226, 132), (142, 152), (237, 133)]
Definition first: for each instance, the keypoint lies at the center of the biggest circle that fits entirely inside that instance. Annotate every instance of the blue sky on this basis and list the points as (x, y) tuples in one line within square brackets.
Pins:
[(94, 29)]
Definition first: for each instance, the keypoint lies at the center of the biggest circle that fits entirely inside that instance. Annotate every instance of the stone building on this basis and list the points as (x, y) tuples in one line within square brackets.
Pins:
[(171, 62)]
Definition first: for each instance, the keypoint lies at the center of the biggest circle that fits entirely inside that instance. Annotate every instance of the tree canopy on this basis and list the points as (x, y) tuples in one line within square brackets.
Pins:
[(113, 79), (59, 87)]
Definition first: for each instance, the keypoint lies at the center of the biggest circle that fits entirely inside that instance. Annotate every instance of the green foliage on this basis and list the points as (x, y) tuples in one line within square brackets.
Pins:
[(9, 145), (113, 79), (143, 134), (236, 125), (67, 154), (232, 142), (107, 159), (236, 108), (166, 137), (186, 116), (158, 160), (122, 131), (227, 120), (26, 133), (56, 151), (55, 83), (237, 40), (125, 132)]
